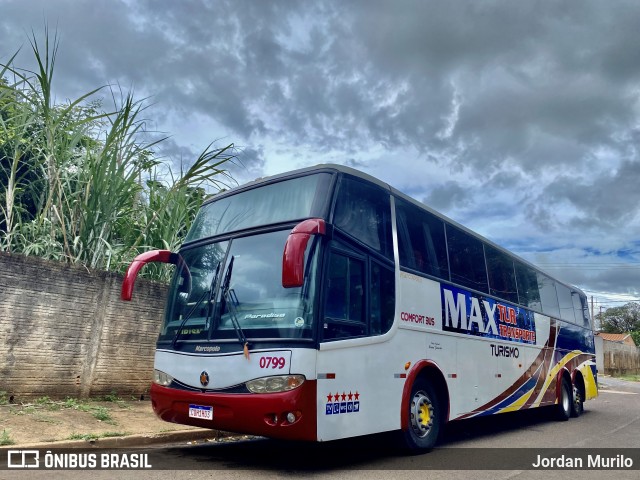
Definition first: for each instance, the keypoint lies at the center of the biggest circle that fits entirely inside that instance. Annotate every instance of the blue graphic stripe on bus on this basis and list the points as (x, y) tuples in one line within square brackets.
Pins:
[(575, 337), (523, 390), (474, 314)]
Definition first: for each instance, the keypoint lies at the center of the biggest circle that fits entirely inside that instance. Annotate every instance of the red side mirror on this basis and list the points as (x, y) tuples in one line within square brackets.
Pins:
[(293, 256), (161, 256)]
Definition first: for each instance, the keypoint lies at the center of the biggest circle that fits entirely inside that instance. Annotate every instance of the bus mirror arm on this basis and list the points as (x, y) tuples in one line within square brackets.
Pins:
[(160, 256), (293, 256)]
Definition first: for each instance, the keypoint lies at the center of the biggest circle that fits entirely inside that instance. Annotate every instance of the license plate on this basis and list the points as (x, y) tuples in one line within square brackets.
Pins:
[(200, 411)]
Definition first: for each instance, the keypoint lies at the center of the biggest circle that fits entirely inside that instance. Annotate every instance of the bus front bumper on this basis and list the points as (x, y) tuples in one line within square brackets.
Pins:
[(253, 414)]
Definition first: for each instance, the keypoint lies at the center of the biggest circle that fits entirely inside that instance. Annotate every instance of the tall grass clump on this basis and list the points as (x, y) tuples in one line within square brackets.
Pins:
[(83, 185)]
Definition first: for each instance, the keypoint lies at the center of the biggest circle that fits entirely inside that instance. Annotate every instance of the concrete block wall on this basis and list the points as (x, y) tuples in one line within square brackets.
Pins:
[(65, 332), (620, 359)]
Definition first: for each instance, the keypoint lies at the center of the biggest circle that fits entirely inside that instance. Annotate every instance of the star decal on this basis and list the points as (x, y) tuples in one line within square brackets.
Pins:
[(329, 398), (357, 396), (350, 396)]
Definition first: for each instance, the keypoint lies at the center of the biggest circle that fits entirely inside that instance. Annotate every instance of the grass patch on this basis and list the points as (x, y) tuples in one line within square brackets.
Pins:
[(102, 414), (5, 438), (99, 412), (112, 397), (4, 399), (630, 378), (70, 402)]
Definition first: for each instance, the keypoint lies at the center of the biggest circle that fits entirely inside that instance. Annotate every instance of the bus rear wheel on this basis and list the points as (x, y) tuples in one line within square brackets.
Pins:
[(564, 407), (577, 406), (425, 417)]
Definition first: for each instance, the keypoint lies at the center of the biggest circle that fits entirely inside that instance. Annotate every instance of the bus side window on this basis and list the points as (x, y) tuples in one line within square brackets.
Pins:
[(382, 299), (548, 296), (364, 212), (527, 282), (466, 257), (421, 241), (502, 277), (585, 311), (565, 303), (360, 296), (345, 304), (578, 309)]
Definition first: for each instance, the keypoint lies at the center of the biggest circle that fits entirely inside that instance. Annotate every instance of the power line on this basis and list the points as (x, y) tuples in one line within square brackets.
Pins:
[(618, 301)]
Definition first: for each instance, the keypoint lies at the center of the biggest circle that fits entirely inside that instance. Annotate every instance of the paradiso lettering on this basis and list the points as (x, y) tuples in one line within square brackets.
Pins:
[(464, 312)]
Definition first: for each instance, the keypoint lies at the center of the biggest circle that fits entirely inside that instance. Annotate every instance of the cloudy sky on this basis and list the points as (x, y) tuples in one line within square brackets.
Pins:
[(520, 120)]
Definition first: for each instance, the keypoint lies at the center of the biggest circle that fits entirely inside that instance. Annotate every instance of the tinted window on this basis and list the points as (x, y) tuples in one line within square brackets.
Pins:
[(345, 304), (548, 296), (581, 308), (466, 257), (360, 295), (364, 212), (527, 283), (565, 303), (382, 299), (421, 240), (502, 277), (191, 306), (293, 199)]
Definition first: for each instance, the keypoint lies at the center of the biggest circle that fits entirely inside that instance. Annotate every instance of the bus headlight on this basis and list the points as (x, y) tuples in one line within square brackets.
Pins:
[(280, 383), (162, 378)]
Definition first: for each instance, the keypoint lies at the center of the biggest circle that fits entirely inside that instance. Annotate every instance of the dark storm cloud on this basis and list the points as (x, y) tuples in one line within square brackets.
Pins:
[(608, 200), (539, 99), (448, 196), (542, 83)]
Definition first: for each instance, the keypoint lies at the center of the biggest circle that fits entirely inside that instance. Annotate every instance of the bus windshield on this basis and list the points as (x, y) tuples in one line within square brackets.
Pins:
[(285, 201), (242, 298)]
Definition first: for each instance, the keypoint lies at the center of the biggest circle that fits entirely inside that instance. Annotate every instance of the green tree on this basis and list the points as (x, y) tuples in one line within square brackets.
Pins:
[(623, 319), (82, 185), (21, 175)]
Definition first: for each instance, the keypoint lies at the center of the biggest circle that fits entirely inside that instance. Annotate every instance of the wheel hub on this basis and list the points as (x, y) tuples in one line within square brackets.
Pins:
[(577, 399), (421, 414)]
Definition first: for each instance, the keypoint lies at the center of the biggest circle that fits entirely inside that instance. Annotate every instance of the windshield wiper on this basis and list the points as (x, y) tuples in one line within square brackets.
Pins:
[(231, 300), (211, 293)]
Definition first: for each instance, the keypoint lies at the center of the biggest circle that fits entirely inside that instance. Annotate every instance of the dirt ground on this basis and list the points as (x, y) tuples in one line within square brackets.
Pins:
[(47, 420)]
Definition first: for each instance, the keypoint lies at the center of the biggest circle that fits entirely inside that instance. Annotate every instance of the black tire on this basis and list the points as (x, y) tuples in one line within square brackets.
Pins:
[(577, 404), (425, 417), (563, 409)]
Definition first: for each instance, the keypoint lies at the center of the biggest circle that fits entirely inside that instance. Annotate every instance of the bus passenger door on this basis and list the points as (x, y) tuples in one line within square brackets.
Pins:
[(355, 368)]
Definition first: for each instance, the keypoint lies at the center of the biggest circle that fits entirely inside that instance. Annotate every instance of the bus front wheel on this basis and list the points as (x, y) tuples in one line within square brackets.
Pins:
[(425, 417)]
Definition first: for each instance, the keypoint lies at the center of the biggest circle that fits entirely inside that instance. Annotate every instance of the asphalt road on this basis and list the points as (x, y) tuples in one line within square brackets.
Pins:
[(612, 421)]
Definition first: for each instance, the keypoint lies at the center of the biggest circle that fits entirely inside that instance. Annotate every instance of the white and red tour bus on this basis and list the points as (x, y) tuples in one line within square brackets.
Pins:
[(322, 304)]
